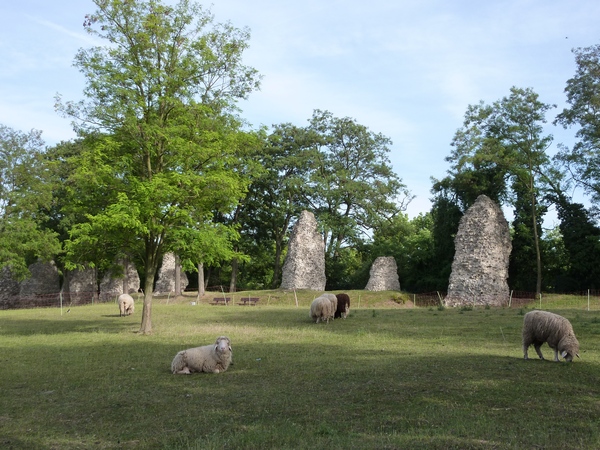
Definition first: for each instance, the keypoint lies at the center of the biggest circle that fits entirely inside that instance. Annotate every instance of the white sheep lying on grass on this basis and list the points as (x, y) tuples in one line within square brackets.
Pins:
[(323, 308), (212, 358), (126, 305), (544, 326)]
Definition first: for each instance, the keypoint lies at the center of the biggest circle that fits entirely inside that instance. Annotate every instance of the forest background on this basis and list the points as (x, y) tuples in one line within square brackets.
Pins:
[(165, 161)]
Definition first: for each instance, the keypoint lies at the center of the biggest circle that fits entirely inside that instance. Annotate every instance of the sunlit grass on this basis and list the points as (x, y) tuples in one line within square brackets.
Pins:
[(389, 376)]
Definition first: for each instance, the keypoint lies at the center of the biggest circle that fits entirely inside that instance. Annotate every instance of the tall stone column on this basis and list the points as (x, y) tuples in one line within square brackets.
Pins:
[(304, 266), (482, 250)]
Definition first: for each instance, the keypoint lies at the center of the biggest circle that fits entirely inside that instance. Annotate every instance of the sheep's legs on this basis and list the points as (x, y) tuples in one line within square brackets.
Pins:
[(556, 355), (184, 371), (538, 351)]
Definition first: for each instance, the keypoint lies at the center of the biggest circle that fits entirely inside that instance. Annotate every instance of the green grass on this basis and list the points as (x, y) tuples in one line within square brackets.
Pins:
[(388, 377)]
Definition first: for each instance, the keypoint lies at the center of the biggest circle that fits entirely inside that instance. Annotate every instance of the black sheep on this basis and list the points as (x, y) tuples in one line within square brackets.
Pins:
[(343, 306)]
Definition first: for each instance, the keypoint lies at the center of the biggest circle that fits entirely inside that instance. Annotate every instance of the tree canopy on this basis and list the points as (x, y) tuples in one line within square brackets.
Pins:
[(162, 145), (501, 149), (25, 197), (583, 98)]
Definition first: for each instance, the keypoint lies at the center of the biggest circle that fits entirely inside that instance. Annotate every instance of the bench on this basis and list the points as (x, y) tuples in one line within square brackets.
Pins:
[(220, 301), (245, 301)]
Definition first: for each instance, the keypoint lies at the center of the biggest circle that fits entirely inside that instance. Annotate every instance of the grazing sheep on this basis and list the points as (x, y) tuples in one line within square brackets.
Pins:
[(323, 308), (343, 306), (544, 326), (126, 306), (212, 358)]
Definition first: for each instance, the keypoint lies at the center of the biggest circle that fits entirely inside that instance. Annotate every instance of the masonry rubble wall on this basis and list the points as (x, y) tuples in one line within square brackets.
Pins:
[(480, 267)]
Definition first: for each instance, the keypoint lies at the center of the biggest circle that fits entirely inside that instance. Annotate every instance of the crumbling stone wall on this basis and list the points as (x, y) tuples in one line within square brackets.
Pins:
[(9, 289), (482, 250), (42, 287), (165, 284), (111, 287), (81, 286), (304, 266), (383, 275)]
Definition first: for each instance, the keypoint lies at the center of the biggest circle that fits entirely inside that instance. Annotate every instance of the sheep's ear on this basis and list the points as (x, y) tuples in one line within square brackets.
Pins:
[(216, 347), (577, 354), (564, 354), (232, 350)]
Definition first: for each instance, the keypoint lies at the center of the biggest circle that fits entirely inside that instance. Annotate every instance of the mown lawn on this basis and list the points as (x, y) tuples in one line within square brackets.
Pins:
[(386, 377)]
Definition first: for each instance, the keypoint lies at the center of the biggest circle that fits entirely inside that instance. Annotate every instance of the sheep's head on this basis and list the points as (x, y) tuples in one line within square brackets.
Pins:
[(223, 344), (569, 348)]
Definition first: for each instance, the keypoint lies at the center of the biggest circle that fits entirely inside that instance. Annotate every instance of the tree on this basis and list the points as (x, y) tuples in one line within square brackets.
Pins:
[(24, 195), (445, 216), (507, 139), (583, 97), (161, 143), (581, 241), (523, 264), (556, 264), (351, 186), (276, 197)]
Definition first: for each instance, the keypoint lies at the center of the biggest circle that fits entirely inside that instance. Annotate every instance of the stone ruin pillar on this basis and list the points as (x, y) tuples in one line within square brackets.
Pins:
[(9, 289), (480, 267), (304, 266), (81, 286), (383, 275), (111, 287), (166, 282), (42, 287)]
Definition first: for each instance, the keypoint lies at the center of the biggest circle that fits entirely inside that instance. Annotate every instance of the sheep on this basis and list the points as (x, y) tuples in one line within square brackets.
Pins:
[(323, 308), (343, 306), (544, 326), (214, 358), (126, 305)]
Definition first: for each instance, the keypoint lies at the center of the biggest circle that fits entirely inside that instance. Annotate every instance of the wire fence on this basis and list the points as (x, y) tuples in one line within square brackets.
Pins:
[(583, 300), (58, 299)]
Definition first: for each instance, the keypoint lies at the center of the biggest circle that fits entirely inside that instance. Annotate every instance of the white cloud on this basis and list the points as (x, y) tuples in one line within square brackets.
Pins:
[(82, 38)]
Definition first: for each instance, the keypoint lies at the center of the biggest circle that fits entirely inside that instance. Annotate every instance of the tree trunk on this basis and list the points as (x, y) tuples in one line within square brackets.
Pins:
[(280, 234), (200, 280), (146, 326), (277, 264), (150, 266), (536, 239), (234, 272)]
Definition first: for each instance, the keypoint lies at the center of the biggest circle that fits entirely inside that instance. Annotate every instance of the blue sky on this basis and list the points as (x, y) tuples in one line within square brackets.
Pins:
[(407, 68)]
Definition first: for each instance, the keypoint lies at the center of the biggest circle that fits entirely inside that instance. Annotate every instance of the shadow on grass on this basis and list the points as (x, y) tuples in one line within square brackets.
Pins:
[(288, 392), (28, 327)]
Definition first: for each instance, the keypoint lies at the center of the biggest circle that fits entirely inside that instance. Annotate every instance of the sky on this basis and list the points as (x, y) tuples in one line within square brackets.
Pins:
[(407, 69)]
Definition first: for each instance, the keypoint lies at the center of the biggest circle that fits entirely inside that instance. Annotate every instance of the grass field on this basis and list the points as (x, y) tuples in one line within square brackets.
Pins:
[(391, 376)]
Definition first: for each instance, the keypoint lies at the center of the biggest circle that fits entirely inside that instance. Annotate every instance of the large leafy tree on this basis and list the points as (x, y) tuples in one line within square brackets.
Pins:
[(507, 140), (445, 217), (275, 197), (583, 98), (581, 241), (523, 257), (25, 195), (351, 186), (162, 146)]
